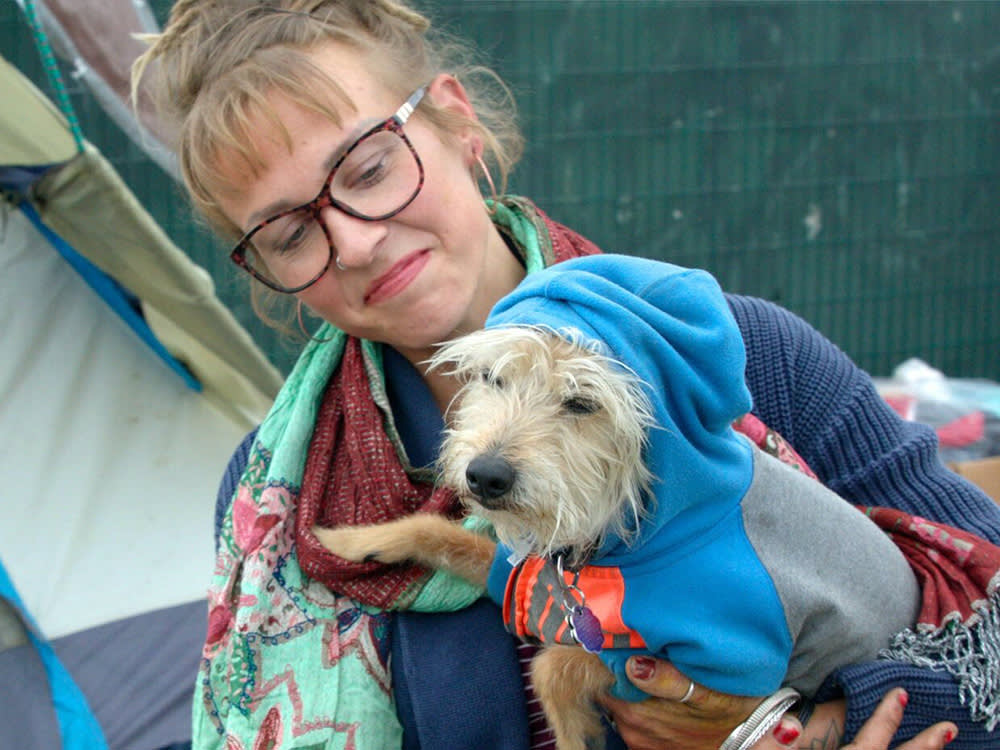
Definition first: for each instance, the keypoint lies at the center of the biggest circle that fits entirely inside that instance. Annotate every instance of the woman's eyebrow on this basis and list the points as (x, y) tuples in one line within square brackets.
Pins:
[(349, 140), (276, 207)]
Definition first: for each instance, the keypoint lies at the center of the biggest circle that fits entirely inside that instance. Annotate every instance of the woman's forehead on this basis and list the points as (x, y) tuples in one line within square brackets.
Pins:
[(334, 87), (316, 109), (289, 139), (351, 72), (274, 128)]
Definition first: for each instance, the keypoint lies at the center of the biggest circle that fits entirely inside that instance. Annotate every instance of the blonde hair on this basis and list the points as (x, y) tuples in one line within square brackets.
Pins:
[(210, 72)]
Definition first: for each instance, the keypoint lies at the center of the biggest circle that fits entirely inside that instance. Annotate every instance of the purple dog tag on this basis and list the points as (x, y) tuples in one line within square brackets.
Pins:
[(586, 628)]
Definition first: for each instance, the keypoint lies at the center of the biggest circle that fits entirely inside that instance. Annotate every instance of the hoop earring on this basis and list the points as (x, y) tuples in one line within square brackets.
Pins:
[(302, 327), (489, 181)]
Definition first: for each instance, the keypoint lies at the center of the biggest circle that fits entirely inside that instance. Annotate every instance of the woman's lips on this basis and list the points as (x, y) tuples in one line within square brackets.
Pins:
[(397, 278)]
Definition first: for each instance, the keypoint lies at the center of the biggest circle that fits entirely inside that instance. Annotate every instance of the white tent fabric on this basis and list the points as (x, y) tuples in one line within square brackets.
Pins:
[(109, 460), (86, 203)]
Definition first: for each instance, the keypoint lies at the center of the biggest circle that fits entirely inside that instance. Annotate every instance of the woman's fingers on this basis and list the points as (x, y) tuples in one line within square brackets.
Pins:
[(878, 731), (663, 680), (876, 734), (783, 736), (662, 721)]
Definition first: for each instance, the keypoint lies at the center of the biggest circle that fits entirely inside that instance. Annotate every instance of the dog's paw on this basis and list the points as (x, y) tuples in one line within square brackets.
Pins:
[(352, 543)]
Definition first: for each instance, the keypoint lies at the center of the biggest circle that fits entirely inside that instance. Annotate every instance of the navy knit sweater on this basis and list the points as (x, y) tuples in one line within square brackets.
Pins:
[(828, 409)]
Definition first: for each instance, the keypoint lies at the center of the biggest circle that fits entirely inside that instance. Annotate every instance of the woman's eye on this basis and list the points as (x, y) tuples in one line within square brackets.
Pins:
[(372, 175), (366, 174), (286, 235), (580, 405), (293, 241)]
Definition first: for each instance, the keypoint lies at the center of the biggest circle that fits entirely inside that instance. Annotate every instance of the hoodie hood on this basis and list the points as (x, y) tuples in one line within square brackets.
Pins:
[(673, 328)]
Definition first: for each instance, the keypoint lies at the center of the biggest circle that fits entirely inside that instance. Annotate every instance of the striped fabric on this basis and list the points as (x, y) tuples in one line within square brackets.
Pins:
[(542, 737)]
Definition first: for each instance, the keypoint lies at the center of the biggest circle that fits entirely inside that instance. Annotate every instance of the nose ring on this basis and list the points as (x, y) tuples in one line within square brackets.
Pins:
[(340, 266)]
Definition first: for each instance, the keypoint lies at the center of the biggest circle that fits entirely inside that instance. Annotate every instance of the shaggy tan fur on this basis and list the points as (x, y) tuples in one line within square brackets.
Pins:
[(546, 443)]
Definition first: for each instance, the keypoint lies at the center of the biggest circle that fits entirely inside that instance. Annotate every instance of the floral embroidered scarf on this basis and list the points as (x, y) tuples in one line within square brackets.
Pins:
[(287, 662)]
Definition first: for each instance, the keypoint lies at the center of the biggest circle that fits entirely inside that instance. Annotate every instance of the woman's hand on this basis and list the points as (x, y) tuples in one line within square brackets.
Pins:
[(705, 718), (876, 734), (663, 722)]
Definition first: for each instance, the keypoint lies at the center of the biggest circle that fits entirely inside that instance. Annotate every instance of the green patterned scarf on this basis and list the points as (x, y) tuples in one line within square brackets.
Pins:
[(286, 661)]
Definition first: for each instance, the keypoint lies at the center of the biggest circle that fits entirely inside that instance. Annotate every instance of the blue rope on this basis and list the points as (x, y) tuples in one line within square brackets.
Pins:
[(52, 71)]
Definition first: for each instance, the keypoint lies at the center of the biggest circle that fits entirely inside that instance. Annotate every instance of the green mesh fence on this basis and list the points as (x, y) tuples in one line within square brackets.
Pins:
[(842, 159)]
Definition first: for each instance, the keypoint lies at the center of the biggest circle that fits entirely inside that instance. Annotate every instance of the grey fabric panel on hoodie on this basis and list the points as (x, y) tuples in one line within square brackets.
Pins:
[(845, 586)]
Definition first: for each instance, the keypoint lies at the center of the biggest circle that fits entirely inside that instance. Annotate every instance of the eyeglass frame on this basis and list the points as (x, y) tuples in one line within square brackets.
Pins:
[(325, 198)]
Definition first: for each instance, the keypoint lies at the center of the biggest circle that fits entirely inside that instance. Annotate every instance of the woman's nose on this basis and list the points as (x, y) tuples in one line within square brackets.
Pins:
[(354, 241)]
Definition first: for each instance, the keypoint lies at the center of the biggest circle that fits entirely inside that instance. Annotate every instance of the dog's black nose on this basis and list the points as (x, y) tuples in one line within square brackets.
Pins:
[(489, 476)]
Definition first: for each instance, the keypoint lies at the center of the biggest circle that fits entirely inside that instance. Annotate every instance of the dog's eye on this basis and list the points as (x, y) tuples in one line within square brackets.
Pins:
[(580, 405), (490, 379)]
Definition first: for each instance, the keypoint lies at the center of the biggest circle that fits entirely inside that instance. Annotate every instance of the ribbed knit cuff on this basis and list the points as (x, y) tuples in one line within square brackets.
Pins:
[(933, 697)]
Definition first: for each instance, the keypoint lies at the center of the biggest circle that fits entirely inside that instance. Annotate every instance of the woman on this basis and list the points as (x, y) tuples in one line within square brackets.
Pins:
[(341, 148)]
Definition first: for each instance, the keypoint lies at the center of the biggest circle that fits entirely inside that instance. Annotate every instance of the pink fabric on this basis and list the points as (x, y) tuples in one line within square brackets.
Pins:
[(957, 571)]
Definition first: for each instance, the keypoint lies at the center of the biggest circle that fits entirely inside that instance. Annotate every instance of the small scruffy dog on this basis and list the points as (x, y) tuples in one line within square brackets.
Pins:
[(523, 389), (548, 441)]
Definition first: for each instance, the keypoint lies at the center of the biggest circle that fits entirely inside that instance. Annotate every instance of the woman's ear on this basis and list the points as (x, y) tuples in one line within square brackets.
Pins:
[(448, 93), (452, 102)]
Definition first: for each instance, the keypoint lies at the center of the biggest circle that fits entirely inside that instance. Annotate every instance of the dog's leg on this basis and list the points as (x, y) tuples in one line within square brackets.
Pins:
[(567, 679), (423, 538)]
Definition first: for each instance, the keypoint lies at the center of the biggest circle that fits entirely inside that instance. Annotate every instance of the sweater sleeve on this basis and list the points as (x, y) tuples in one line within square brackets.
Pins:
[(808, 390), (804, 387)]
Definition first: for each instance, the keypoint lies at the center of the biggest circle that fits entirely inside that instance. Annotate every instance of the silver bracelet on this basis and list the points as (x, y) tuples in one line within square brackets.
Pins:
[(764, 718)]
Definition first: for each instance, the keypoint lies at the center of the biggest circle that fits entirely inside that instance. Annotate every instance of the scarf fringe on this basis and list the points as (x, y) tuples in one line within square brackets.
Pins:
[(969, 651)]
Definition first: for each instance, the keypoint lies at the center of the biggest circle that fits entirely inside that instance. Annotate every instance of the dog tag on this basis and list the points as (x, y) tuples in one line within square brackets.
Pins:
[(586, 629)]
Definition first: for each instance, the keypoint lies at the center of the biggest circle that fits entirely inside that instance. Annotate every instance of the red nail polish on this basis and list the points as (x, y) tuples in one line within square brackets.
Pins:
[(786, 735), (948, 736), (903, 698), (643, 667)]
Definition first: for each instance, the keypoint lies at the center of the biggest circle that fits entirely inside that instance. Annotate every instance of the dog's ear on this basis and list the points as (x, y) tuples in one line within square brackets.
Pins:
[(466, 356), (444, 358)]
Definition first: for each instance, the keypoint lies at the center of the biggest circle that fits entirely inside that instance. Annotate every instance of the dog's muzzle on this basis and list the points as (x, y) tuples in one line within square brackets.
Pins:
[(490, 477)]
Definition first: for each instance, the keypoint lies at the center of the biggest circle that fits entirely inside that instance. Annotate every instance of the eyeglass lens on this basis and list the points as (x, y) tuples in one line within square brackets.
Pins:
[(376, 178)]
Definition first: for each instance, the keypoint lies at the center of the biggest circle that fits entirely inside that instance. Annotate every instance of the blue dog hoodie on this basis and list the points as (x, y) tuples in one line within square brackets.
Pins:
[(746, 574)]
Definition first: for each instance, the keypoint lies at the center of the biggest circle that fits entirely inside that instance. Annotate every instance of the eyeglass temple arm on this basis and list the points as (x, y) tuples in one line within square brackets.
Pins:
[(404, 112)]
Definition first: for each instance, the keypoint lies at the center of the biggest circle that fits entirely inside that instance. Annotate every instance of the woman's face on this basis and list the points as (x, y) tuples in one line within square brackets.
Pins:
[(430, 272)]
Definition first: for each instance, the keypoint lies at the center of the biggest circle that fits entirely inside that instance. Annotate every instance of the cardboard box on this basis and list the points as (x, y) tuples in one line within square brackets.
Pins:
[(984, 472)]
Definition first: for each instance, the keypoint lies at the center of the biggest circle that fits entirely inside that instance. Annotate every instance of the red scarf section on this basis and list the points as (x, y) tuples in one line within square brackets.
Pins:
[(957, 571), (353, 475)]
